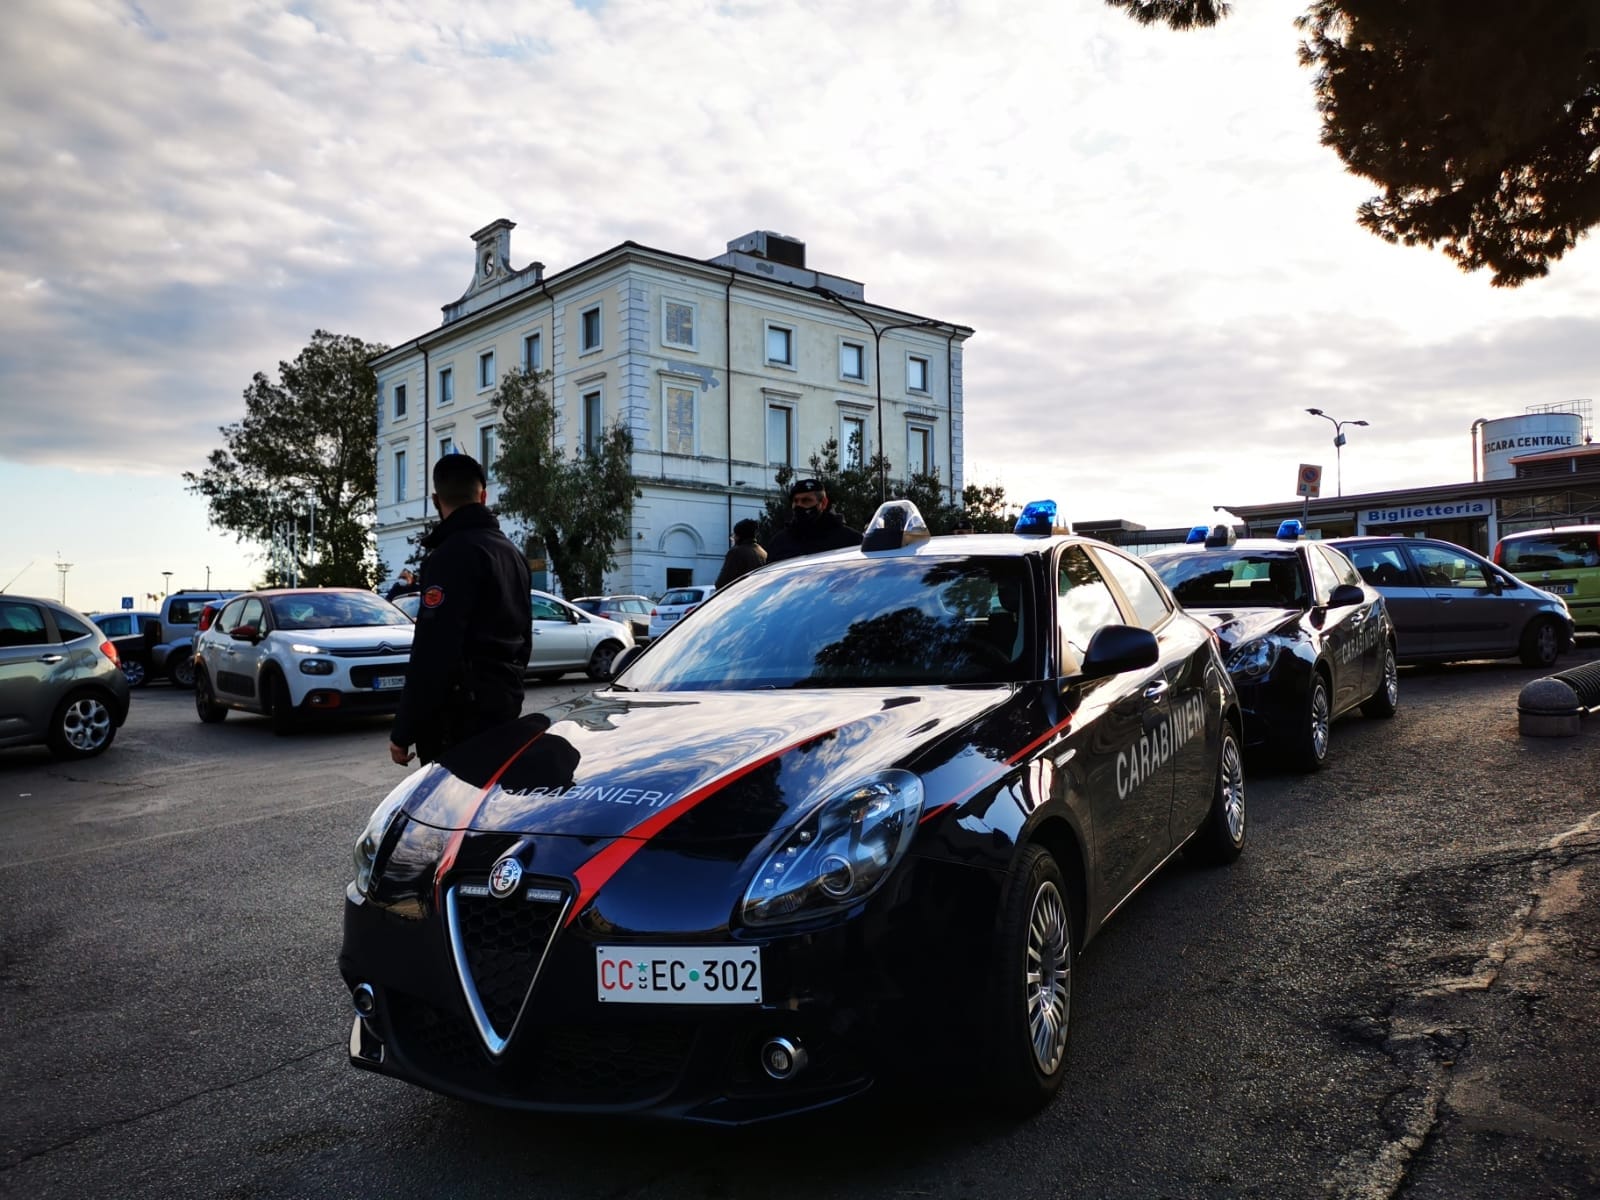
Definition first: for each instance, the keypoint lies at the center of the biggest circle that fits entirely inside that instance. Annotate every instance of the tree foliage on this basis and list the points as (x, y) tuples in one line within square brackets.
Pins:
[(1478, 119), (853, 493), (309, 435), (579, 507)]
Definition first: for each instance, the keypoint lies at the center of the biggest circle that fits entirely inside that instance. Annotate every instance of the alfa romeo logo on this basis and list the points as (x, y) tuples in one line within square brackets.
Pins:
[(505, 877)]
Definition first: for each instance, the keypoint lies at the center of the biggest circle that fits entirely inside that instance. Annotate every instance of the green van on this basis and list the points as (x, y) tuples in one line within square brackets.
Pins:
[(1564, 560)]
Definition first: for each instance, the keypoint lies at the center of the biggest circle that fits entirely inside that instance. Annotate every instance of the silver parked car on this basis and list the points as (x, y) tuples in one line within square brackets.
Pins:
[(565, 638), (59, 679), (1448, 603)]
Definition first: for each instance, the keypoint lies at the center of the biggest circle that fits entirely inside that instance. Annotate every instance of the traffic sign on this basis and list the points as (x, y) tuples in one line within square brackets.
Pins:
[(1310, 481)]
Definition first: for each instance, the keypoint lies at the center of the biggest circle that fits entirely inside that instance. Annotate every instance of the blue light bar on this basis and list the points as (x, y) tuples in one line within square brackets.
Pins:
[(1290, 530), (1197, 534), (1038, 519)]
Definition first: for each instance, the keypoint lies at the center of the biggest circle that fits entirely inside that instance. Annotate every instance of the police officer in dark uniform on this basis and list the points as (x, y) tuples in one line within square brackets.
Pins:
[(474, 625), (813, 527)]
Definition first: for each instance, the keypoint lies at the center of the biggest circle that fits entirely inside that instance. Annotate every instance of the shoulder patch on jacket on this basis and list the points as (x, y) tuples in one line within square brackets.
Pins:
[(433, 597)]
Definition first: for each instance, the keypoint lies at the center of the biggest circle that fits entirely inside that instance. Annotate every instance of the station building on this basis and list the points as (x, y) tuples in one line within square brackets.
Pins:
[(724, 369)]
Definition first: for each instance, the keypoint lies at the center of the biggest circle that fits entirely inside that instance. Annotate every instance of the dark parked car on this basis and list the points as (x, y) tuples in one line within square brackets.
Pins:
[(865, 803), (126, 629), (632, 611), (1304, 638), (59, 679), (1449, 603)]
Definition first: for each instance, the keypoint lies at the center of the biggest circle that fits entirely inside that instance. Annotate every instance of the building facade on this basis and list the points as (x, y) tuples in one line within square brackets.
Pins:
[(723, 369)]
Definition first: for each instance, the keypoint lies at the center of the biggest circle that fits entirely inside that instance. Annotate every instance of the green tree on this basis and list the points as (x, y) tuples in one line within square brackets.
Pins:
[(305, 450), (1479, 120), (853, 491), (578, 507)]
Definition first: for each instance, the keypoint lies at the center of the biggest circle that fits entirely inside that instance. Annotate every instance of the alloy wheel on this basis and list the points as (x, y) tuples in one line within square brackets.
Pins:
[(1049, 977)]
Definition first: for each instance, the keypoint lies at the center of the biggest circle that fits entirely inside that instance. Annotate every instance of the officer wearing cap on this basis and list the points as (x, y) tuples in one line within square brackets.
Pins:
[(813, 527), (474, 625)]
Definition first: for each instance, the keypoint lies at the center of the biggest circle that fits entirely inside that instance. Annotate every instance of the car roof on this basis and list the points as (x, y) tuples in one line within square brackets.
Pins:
[(1549, 529), (1241, 545)]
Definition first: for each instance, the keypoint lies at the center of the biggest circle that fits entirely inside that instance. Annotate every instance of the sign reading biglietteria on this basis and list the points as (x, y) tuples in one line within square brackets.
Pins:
[(1454, 510)]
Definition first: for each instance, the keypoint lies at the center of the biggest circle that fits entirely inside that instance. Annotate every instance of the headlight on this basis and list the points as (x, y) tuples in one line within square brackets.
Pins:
[(315, 666), (366, 851), (305, 648), (840, 853), (1254, 659)]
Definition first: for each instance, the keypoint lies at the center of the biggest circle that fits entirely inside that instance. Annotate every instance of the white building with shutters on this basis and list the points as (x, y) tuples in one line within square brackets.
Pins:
[(724, 369)]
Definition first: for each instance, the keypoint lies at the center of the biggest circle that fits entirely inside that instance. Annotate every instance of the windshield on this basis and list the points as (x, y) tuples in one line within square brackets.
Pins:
[(333, 610), (852, 623), (1212, 579)]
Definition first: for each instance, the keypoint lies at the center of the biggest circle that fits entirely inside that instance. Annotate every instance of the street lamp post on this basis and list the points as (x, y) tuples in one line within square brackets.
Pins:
[(877, 367), (1338, 443), (166, 588)]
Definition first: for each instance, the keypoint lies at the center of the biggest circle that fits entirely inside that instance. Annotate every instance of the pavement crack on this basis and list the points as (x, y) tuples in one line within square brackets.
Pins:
[(157, 1110)]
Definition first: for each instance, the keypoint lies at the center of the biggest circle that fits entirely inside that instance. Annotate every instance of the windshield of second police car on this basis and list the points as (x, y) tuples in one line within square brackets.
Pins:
[(1259, 579), (852, 623)]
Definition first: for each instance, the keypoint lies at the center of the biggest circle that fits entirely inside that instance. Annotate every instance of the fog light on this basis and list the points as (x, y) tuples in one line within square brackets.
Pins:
[(364, 999), (323, 699), (783, 1059)]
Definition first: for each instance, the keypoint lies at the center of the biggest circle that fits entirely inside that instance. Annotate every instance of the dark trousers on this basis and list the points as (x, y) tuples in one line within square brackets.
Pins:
[(464, 719)]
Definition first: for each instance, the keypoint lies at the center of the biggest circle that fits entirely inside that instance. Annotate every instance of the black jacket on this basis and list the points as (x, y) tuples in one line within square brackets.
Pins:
[(741, 559), (474, 634), (827, 532)]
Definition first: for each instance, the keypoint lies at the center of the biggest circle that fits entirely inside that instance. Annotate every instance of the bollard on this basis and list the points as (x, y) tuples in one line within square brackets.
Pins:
[(1548, 707)]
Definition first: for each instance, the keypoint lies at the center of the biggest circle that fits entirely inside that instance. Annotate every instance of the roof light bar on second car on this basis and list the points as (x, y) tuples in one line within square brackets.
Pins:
[(1038, 519), (1290, 530), (897, 523)]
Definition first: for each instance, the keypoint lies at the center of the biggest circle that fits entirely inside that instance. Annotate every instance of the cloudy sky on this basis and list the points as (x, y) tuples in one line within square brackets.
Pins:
[(1160, 260)]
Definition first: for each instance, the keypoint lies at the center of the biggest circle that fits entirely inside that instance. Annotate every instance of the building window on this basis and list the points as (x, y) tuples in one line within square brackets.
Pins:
[(780, 345), (399, 400), (677, 422), (589, 330), (852, 361), (532, 353), (594, 416), (780, 435), (916, 373), (919, 450), (399, 475), (447, 445), (486, 370), (488, 450), (447, 386), (678, 324), (852, 440)]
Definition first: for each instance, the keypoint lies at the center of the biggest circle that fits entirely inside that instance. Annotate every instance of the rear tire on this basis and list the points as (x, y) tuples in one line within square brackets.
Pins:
[(205, 700), (1386, 700), (134, 671), (82, 726), (1030, 1001), (1311, 747), (1221, 839), (1541, 643)]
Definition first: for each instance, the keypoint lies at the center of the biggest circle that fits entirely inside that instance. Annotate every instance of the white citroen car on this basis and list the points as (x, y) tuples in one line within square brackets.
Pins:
[(303, 653)]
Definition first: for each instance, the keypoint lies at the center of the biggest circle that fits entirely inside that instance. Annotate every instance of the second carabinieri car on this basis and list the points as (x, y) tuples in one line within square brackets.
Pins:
[(857, 817), (1304, 638)]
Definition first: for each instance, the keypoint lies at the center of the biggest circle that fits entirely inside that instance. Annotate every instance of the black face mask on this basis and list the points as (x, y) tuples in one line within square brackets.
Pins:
[(806, 518)]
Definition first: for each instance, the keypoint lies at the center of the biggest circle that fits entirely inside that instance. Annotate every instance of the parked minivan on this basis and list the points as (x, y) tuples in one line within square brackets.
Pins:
[(1564, 560)]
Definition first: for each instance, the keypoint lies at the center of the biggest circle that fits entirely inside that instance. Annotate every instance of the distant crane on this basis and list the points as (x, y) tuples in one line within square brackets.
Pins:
[(63, 567)]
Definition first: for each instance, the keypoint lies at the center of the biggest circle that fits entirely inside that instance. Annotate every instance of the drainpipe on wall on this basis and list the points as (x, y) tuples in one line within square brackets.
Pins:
[(427, 471), (950, 407), (727, 385), (1476, 425)]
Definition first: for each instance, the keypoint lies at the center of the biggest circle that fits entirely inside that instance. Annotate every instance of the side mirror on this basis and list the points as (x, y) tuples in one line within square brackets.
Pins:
[(245, 633), (1346, 595), (1118, 648)]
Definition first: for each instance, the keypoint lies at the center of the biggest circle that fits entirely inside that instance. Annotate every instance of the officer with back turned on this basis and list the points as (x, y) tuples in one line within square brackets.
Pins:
[(474, 624)]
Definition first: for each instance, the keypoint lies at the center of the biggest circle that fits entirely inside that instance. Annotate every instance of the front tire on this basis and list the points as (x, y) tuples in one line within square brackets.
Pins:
[(280, 705), (180, 669), (81, 727), (1541, 644), (1311, 749), (605, 653), (1386, 700), (1031, 994), (1221, 839)]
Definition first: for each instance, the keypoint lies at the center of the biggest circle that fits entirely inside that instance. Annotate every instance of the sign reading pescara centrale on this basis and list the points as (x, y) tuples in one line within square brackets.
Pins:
[(1452, 510)]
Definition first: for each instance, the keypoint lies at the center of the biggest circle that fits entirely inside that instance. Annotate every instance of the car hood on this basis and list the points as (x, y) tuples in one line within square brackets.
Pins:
[(685, 766), (358, 637), (1234, 626)]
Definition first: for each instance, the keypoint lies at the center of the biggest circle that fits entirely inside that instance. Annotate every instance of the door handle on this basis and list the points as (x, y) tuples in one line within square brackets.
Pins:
[(51, 658), (1156, 690)]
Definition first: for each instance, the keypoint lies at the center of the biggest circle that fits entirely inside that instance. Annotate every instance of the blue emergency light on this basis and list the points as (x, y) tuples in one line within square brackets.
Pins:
[(1290, 530), (1038, 519), (1197, 534)]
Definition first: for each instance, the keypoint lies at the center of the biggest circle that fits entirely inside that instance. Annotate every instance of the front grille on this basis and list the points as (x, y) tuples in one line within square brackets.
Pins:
[(378, 650), (503, 942), (362, 677)]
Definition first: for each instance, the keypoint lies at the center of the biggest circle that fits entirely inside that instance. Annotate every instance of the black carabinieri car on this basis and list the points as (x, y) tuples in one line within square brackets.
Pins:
[(1305, 639), (856, 801)]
